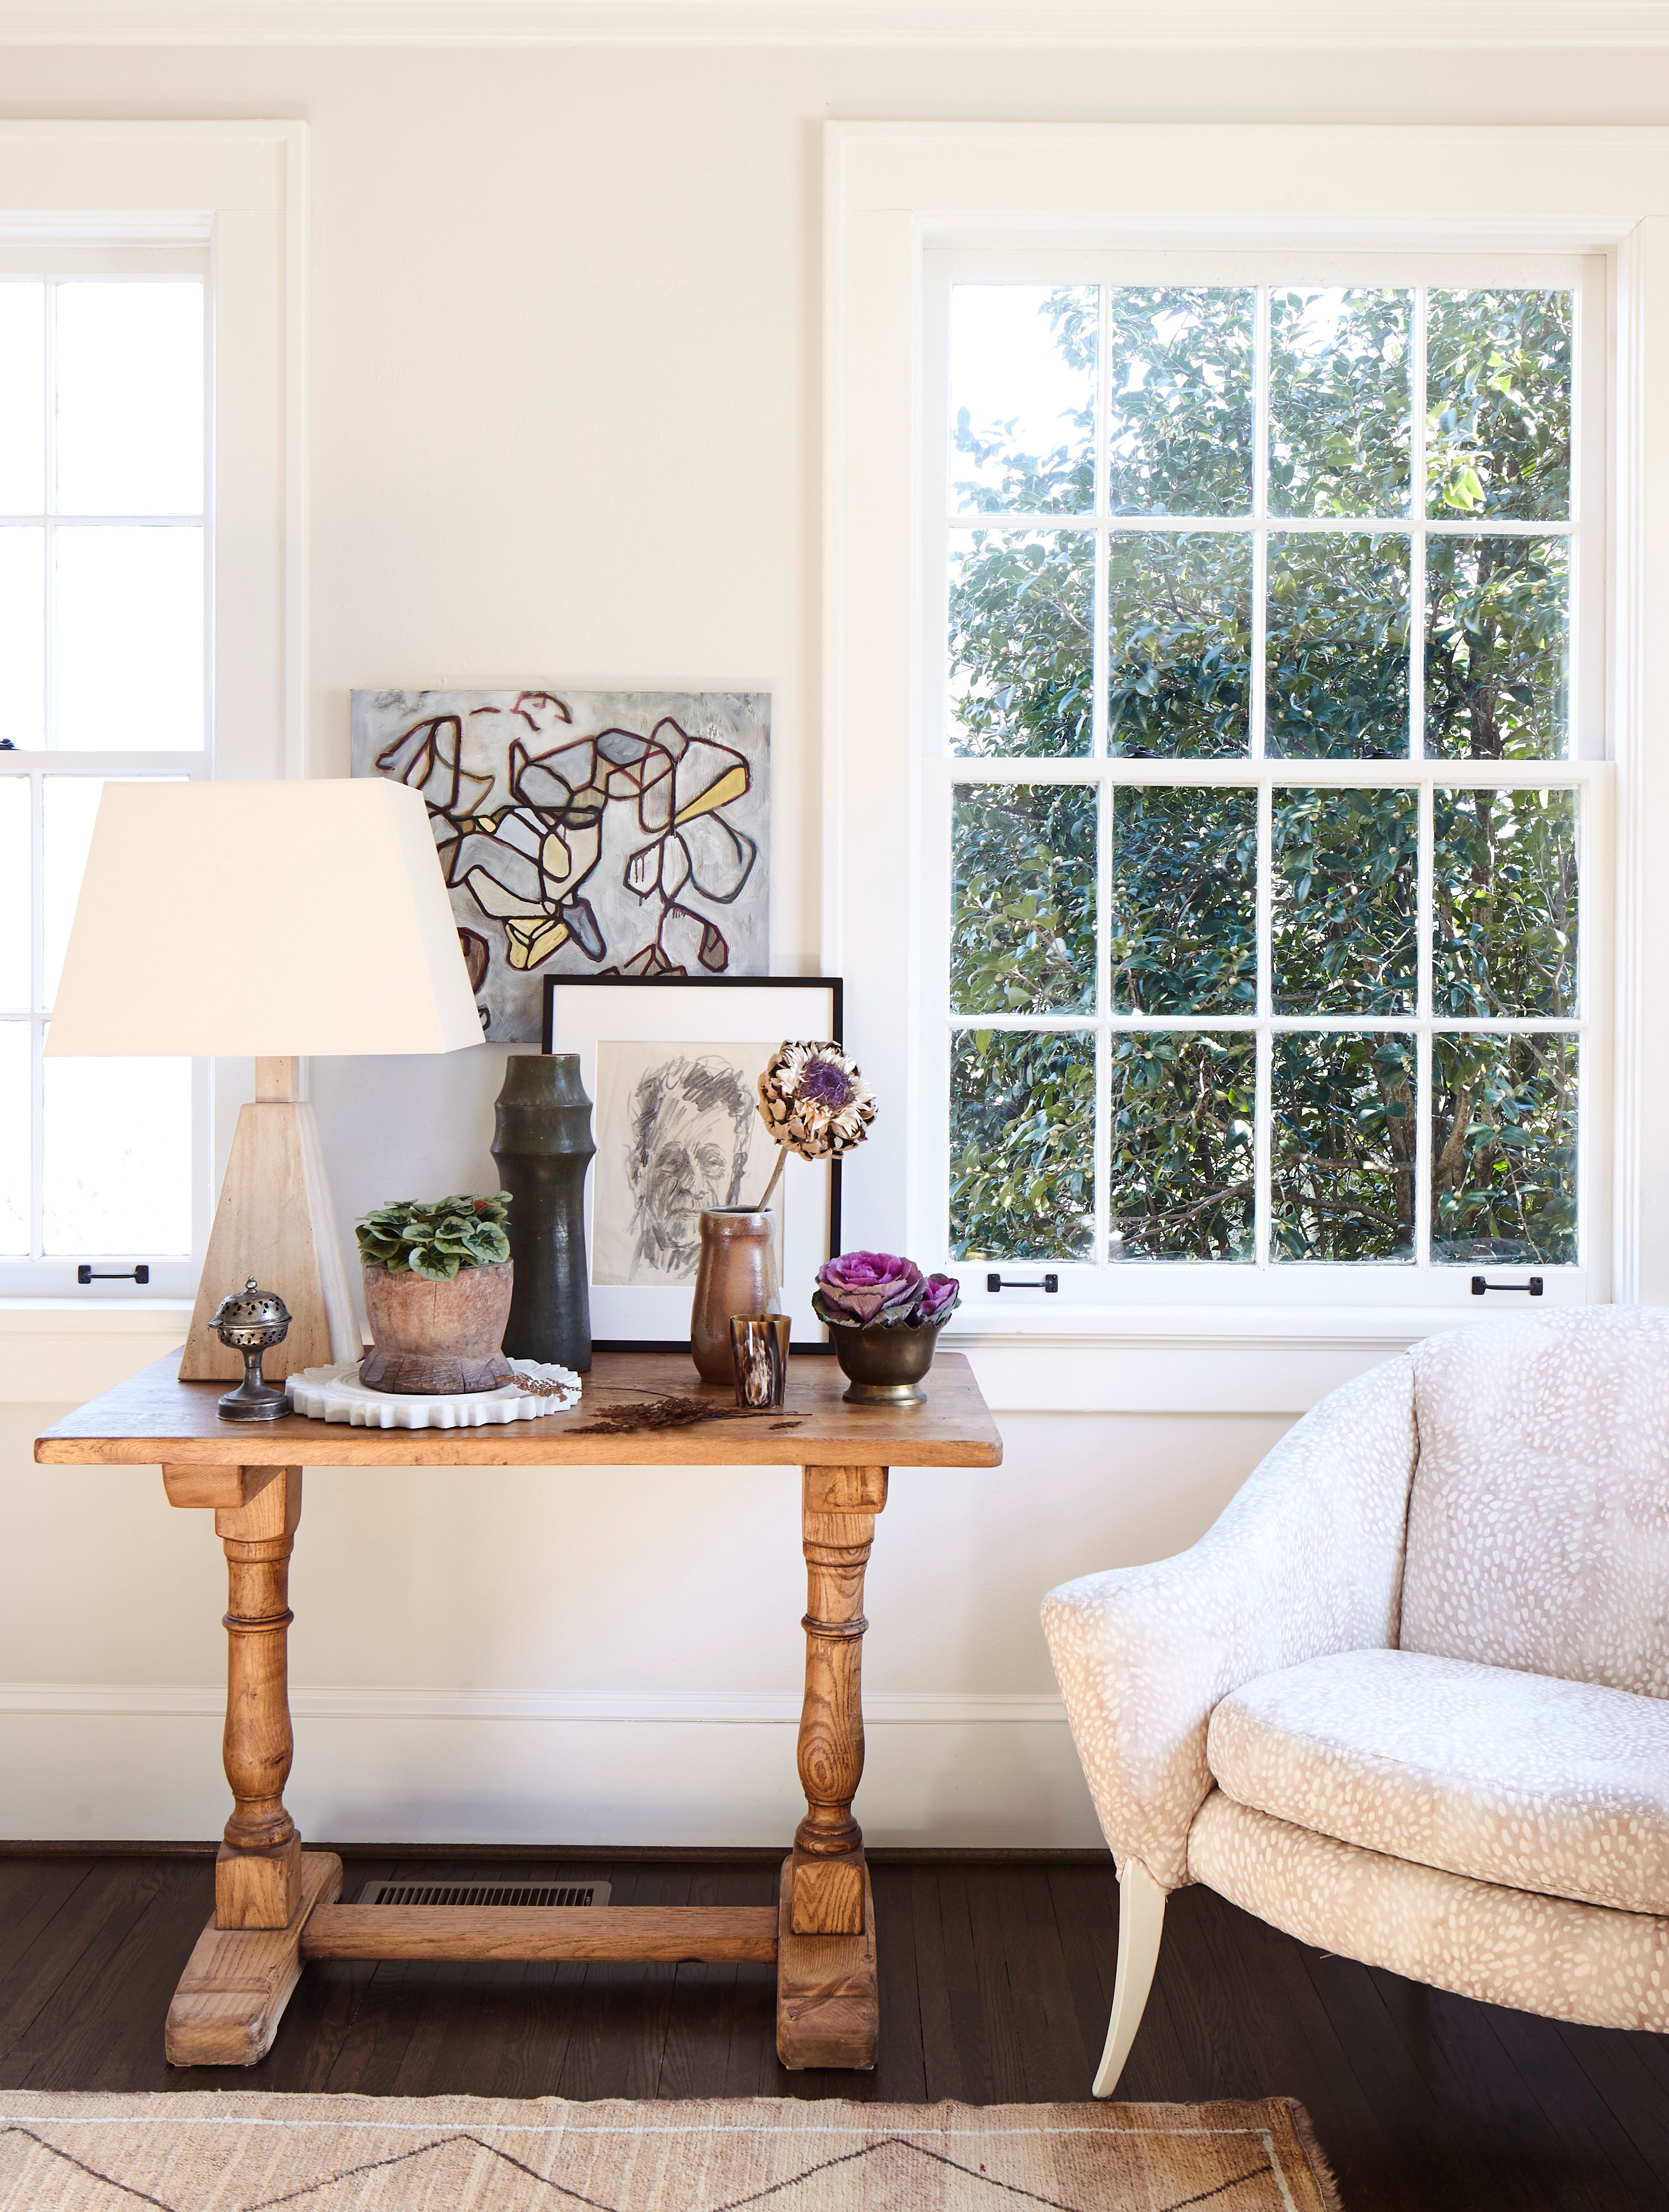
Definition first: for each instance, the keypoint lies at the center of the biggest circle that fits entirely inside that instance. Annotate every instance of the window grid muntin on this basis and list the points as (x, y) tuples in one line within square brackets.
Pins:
[(1257, 692), (36, 764), (1256, 766)]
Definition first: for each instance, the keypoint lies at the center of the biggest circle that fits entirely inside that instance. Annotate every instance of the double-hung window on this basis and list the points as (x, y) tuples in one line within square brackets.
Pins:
[(152, 293), (104, 500), (1262, 822)]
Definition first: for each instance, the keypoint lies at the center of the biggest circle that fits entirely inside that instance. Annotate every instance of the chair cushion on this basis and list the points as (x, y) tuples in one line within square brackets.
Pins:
[(1539, 1519), (1525, 1780), (1505, 1947)]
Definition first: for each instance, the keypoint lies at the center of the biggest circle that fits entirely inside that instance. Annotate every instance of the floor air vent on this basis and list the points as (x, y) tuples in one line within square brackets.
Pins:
[(484, 1893)]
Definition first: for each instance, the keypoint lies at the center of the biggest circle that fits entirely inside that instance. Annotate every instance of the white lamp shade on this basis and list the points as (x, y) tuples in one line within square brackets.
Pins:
[(263, 919)]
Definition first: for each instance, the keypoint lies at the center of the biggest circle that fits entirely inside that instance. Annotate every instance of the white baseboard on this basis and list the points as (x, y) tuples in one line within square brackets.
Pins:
[(137, 1762)]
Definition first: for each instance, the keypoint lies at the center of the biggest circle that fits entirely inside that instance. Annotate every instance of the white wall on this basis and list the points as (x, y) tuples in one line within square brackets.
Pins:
[(564, 422)]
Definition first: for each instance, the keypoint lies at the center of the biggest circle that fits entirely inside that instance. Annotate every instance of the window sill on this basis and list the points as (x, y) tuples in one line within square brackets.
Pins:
[(1085, 1359), (996, 1323), (1185, 1360), (21, 1316)]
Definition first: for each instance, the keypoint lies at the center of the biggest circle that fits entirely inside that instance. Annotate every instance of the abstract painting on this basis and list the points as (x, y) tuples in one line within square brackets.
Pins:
[(605, 832)]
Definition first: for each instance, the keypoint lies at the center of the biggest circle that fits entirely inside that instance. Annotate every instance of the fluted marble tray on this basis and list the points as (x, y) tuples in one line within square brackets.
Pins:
[(336, 1393)]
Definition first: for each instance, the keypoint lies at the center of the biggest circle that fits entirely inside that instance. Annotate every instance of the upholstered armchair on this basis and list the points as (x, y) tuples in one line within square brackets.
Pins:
[(1409, 1698)]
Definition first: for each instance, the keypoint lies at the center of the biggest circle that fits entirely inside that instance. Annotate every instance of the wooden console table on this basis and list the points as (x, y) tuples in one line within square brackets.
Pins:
[(276, 1904)]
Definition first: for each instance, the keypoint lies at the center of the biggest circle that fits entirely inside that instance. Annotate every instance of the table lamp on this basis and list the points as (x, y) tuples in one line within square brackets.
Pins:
[(269, 920)]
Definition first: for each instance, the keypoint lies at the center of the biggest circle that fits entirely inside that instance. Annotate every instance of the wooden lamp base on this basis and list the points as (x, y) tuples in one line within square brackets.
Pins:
[(275, 1221)]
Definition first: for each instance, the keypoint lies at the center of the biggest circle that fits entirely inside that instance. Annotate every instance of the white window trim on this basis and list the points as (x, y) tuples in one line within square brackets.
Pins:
[(895, 191), (240, 190)]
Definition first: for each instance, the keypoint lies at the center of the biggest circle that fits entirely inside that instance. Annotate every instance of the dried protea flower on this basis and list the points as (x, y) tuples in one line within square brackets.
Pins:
[(814, 1103)]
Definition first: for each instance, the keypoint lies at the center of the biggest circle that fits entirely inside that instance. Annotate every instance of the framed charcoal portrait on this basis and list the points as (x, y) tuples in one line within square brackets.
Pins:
[(671, 1064)]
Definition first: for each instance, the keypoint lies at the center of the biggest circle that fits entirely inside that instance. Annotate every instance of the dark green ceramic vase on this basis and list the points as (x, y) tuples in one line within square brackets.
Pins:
[(542, 1144)]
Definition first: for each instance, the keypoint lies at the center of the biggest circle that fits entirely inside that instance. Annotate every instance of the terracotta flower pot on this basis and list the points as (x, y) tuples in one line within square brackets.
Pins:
[(434, 1337)]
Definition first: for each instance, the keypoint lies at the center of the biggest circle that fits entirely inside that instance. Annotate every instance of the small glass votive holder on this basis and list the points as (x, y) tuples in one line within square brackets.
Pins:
[(760, 1353)]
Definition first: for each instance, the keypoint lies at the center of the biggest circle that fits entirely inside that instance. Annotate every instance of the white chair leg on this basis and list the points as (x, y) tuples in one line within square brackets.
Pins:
[(1141, 1924)]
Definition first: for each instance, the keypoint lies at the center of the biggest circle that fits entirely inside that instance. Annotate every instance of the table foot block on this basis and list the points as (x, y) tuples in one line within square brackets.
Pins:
[(828, 2007), (238, 1980), (258, 1889), (828, 1895), (705, 1935)]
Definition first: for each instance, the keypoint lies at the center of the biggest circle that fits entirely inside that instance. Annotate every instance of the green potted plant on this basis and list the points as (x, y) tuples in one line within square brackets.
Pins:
[(438, 1278)]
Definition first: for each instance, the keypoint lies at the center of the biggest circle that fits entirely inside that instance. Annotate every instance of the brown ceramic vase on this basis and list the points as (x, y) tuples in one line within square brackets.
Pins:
[(736, 1273), (434, 1338)]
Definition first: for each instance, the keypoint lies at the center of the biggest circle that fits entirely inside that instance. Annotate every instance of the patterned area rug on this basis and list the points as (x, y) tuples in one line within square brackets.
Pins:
[(237, 2153)]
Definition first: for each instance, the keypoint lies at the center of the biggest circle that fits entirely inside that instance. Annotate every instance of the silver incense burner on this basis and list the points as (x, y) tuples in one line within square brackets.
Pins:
[(251, 1321)]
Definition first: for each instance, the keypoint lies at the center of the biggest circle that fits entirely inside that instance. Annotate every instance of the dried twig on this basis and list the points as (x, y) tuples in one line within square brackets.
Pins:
[(671, 1411), (538, 1386)]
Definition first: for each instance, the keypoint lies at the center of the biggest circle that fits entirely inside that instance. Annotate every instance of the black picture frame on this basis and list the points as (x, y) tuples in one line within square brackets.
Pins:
[(834, 986)]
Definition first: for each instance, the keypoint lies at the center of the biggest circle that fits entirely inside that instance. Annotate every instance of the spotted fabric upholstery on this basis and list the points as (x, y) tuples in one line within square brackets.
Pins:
[(1538, 1529), (1519, 1779), (1458, 1770), (1308, 1558), (1506, 1947)]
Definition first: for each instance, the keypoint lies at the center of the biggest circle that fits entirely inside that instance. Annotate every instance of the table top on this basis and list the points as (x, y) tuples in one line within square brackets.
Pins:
[(155, 1419)]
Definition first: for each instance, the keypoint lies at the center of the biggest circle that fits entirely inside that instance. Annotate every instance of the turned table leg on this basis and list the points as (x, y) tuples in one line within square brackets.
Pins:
[(827, 2005), (838, 1526), (259, 1870), (246, 1963)]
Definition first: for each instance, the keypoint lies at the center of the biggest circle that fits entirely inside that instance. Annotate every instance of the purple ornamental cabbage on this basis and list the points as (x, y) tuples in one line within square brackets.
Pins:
[(865, 1286), (862, 1288), (939, 1294)]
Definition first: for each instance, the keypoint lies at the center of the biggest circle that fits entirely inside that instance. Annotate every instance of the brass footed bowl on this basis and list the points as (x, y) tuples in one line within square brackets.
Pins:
[(884, 1364)]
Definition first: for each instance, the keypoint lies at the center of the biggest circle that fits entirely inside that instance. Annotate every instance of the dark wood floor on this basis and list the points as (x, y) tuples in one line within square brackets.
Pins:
[(995, 1981)]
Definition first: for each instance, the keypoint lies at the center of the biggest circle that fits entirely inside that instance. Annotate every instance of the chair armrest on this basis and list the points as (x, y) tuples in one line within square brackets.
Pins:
[(1308, 1558)]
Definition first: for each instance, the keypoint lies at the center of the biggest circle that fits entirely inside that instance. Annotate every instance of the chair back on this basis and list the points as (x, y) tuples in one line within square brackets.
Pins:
[(1538, 1517)]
